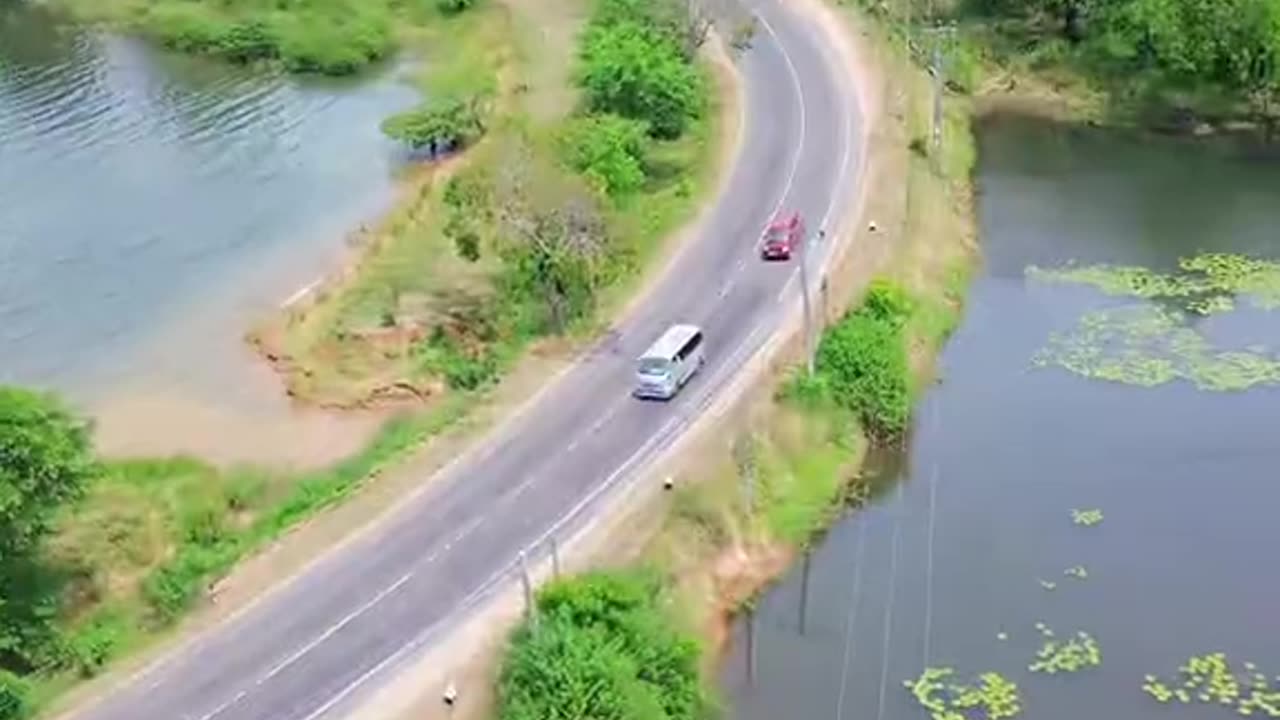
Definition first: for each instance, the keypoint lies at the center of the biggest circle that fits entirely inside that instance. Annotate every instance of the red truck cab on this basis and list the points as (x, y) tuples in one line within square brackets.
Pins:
[(782, 236)]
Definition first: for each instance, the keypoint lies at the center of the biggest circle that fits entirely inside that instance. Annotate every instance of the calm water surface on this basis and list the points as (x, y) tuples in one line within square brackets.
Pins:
[(152, 206), (1185, 561)]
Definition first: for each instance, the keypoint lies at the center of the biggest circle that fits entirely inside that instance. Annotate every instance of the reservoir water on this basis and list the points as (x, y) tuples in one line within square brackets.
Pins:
[(961, 562), (151, 208)]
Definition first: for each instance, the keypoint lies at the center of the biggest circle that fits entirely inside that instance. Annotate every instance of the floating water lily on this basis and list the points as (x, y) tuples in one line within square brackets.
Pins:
[(1154, 343), (1086, 517), (1214, 681), (1074, 654), (1203, 277), (1077, 572), (993, 698)]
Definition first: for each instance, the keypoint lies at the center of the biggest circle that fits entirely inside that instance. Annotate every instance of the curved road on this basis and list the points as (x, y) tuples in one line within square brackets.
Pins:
[(311, 647)]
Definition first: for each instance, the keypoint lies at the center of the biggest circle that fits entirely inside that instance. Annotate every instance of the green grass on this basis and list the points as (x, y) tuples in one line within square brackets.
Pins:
[(152, 534)]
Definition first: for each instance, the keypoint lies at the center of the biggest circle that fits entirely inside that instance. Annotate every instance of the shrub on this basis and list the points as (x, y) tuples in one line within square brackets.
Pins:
[(462, 369), (863, 364), (633, 71), (14, 704), (603, 648), (608, 150)]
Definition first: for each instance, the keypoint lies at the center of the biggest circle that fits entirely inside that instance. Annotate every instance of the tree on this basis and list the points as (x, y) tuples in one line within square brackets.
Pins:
[(551, 236), (45, 462), (608, 150), (636, 72), (450, 122)]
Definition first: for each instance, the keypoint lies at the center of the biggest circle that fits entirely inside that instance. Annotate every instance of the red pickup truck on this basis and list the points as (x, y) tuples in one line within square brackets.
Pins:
[(782, 236)]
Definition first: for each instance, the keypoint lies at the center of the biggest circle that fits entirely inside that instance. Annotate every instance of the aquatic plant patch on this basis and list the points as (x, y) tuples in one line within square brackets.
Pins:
[(1208, 280), (1071, 655), (1148, 346), (1078, 572), (1210, 679), (1154, 343), (991, 698), (1086, 517)]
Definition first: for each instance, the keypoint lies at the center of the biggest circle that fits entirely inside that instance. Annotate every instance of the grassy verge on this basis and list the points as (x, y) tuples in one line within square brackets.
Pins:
[(743, 508)]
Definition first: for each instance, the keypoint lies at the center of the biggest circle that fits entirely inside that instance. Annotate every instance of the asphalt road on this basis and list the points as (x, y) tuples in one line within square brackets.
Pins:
[(311, 647)]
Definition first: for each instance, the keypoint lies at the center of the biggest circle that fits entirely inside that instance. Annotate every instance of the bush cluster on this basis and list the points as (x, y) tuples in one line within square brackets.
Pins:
[(632, 64), (332, 37), (862, 363), (602, 647)]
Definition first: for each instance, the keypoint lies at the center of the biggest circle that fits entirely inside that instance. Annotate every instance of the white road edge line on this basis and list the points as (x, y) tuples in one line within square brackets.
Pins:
[(346, 620)]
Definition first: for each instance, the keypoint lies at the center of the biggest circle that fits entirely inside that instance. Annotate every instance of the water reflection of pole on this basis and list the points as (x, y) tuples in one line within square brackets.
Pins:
[(804, 589), (751, 647)]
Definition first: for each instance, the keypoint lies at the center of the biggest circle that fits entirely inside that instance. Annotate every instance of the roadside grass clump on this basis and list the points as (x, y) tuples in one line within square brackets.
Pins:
[(993, 696), (1086, 518), (604, 645), (1210, 679), (1070, 655), (862, 364)]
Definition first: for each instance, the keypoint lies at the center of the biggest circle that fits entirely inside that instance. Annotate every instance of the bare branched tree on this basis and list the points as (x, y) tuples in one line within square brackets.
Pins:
[(552, 234)]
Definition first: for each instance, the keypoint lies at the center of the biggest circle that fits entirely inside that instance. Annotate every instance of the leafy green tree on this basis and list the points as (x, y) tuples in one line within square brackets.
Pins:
[(634, 71), (456, 122), (45, 462), (608, 150)]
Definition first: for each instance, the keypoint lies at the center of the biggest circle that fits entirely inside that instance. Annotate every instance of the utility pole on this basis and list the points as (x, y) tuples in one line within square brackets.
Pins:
[(808, 311), (937, 71), (531, 610)]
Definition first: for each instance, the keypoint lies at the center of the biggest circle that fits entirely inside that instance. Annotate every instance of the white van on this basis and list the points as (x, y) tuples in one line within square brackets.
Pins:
[(669, 364)]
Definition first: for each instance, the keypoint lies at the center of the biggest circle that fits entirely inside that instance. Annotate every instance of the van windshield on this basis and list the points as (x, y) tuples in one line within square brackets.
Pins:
[(654, 366)]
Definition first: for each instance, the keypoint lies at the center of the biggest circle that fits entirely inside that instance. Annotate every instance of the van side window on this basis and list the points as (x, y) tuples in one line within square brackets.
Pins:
[(690, 345)]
